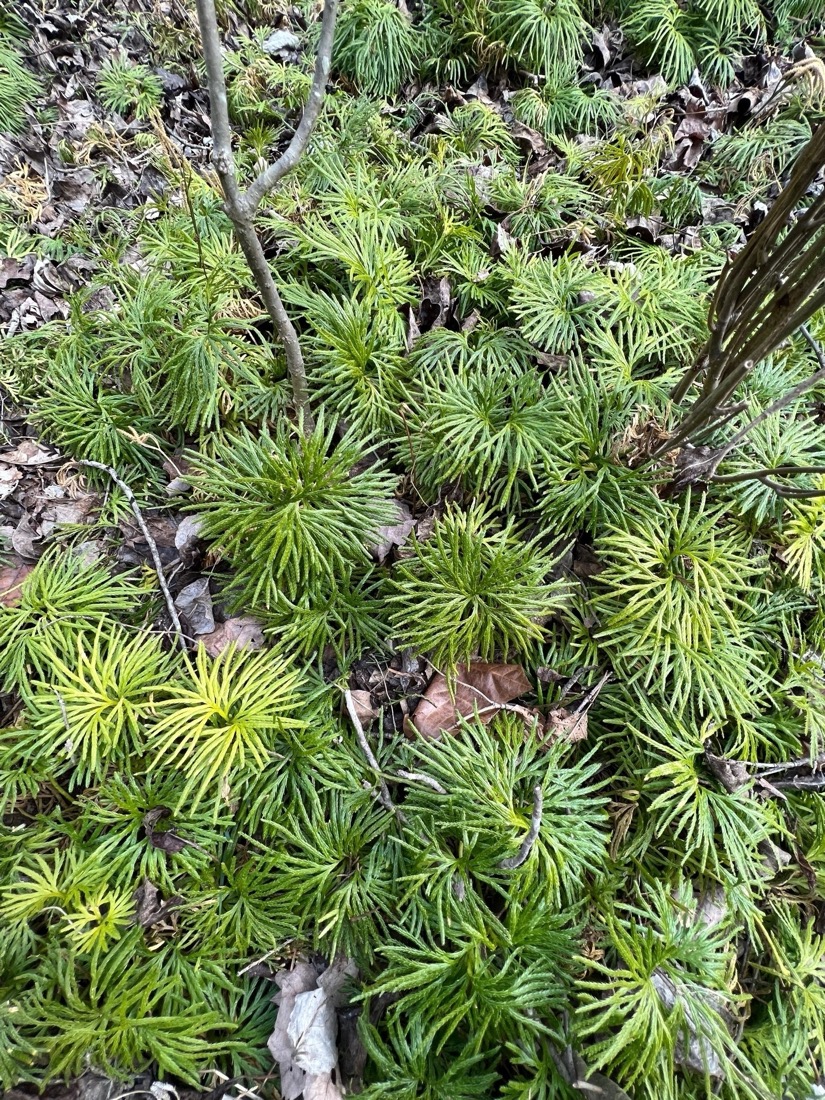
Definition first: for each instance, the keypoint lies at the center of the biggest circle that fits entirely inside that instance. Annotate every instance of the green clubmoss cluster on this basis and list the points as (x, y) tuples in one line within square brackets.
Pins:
[(492, 335)]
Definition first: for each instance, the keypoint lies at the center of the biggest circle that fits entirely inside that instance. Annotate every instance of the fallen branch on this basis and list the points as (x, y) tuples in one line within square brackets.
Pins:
[(420, 777), (531, 837), (242, 206), (153, 546), (383, 789)]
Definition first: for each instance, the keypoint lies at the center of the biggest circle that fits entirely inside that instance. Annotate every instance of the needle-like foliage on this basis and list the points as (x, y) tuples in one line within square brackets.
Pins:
[(496, 256), (288, 511), (91, 711), (129, 88), (672, 591), (221, 719), (375, 46), (473, 589), (17, 86), (62, 598)]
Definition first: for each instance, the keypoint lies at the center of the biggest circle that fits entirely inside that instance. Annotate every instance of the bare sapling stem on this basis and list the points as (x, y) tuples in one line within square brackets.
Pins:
[(242, 206)]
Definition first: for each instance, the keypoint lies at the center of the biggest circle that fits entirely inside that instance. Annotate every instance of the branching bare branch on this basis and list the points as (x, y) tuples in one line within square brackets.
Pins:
[(241, 206), (153, 546), (770, 289), (294, 151)]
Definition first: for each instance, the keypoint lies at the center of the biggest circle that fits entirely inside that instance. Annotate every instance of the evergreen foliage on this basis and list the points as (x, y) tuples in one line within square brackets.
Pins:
[(129, 88), (287, 511), (498, 268), (63, 597), (472, 589), (17, 85)]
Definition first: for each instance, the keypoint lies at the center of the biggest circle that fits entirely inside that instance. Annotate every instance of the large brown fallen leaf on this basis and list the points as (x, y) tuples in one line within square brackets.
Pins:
[(478, 686), (11, 578)]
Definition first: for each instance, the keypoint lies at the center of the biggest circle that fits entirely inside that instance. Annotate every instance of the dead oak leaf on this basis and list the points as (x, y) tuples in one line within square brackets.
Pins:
[(479, 686)]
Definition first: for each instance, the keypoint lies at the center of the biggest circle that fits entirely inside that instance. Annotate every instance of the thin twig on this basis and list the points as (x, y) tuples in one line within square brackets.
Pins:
[(587, 700), (290, 157), (786, 398), (780, 471), (790, 492), (258, 962), (801, 783), (770, 289), (153, 547), (420, 777), (531, 837), (384, 791)]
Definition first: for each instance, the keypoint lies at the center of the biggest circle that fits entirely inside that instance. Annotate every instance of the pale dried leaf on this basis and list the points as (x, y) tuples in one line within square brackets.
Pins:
[(245, 631), (24, 537), (312, 1029), (334, 978), (9, 476), (322, 1088), (28, 452), (301, 978), (567, 725), (393, 534), (362, 701), (195, 604), (187, 534)]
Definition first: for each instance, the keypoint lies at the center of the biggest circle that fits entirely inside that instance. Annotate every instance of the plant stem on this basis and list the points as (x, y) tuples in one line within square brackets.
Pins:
[(383, 789), (241, 206), (532, 836)]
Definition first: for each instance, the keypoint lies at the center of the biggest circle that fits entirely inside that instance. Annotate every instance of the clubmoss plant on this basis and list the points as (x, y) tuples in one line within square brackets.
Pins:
[(473, 589), (126, 87), (288, 511), (62, 598)]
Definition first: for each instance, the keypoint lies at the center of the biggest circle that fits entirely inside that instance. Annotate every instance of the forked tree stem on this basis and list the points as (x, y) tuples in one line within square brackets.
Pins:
[(242, 206)]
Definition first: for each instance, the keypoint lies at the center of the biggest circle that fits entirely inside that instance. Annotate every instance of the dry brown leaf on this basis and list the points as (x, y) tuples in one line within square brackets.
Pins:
[(565, 724), (166, 841), (11, 580), (362, 701), (245, 631), (28, 452), (479, 685)]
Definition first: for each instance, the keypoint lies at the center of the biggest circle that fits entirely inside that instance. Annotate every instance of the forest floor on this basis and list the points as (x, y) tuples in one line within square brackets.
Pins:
[(444, 726)]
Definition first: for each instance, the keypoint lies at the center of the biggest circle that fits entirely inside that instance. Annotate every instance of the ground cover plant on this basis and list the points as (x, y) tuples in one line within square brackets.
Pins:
[(411, 626)]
